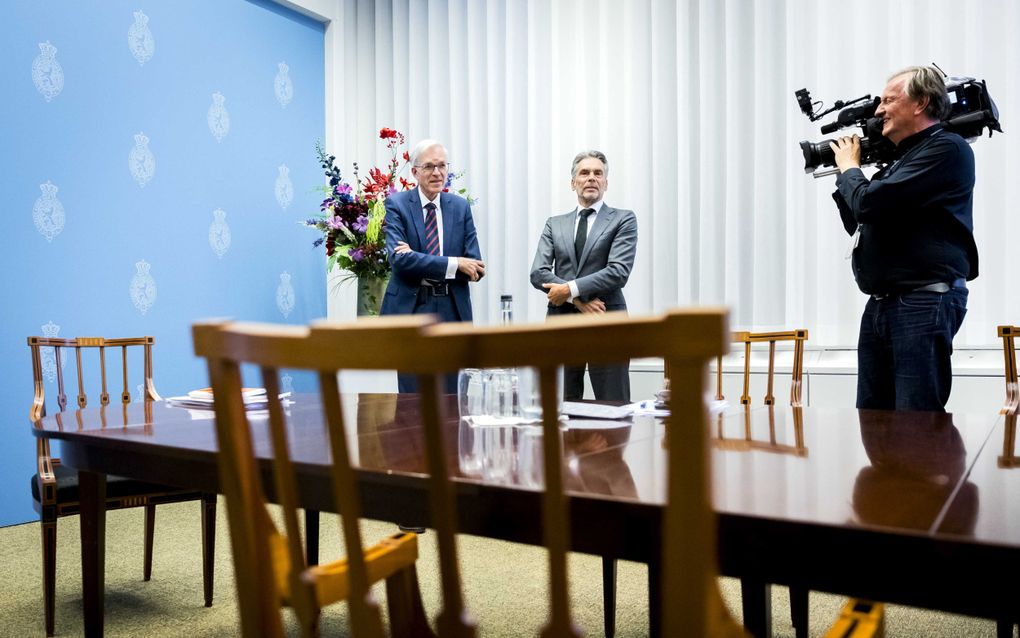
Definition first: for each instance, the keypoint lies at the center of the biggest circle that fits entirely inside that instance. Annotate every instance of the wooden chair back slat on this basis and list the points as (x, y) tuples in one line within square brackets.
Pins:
[(301, 596), (556, 522), (365, 617), (452, 620), (241, 481)]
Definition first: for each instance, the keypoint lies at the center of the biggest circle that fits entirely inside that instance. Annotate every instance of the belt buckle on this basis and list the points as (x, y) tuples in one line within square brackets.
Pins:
[(441, 290)]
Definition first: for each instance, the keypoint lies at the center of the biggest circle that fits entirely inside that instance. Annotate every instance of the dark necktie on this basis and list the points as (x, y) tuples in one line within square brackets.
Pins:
[(582, 233), (431, 230)]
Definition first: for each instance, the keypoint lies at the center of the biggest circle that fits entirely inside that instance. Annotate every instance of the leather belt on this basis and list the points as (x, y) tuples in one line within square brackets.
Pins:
[(940, 287), (434, 288)]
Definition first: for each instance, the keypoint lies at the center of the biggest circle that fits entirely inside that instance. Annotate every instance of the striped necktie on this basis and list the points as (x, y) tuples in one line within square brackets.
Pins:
[(431, 230)]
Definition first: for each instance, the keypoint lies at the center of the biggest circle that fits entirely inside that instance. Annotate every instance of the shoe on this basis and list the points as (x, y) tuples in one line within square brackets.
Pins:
[(411, 530)]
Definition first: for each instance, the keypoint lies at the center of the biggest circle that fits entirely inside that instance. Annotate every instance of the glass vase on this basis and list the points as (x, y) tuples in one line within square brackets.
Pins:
[(370, 295)]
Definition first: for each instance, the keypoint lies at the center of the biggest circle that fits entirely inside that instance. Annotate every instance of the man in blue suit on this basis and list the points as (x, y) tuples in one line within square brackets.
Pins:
[(432, 247)]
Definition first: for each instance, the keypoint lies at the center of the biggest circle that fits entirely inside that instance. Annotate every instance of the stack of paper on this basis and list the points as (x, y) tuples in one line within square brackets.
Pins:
[(254, 399)]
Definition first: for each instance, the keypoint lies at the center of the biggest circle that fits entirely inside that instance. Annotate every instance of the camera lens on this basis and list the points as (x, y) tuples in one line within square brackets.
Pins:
[(817, 154)]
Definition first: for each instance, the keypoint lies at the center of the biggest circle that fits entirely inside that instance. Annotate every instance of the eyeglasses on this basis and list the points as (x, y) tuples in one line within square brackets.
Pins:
[(428, 169)]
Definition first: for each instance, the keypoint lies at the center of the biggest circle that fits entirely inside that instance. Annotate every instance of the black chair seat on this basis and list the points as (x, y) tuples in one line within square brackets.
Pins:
[(116, 486)]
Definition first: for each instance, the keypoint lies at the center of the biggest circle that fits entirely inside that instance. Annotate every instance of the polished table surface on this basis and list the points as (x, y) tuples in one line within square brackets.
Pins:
[(904, 507)]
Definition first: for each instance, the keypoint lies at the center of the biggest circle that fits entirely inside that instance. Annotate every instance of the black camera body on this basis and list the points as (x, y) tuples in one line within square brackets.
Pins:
[(971, 110)]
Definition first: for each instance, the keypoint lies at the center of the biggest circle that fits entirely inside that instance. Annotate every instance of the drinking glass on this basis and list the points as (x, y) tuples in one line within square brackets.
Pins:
[(500, 391), (530, 396), (470, 392), (469, 448)]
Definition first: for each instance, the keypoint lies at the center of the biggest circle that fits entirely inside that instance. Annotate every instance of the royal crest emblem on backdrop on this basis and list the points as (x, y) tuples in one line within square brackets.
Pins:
[(47, 74), (48, 212), (285, 295), (143, 287), (218, 118), (140, 40), (219, 233), (284, 187), (49, 355), (141, 161), (283, 86)]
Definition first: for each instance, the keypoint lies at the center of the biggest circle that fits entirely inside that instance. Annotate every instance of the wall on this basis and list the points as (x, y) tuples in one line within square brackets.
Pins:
[(103, 238)]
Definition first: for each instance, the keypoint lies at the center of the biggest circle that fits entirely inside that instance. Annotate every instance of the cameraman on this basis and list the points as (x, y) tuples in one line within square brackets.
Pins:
[(913, 245)]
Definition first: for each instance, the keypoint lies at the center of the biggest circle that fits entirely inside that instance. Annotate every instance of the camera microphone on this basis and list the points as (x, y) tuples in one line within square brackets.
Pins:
[(831, 127)]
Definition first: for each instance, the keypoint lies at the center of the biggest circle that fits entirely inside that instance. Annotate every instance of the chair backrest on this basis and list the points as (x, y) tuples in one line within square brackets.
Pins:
[(687, 340), (1008, 334), (798, 337), (79, 344)]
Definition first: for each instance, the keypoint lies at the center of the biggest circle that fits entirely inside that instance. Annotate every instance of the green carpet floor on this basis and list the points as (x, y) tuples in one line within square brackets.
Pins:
[(504, 583)]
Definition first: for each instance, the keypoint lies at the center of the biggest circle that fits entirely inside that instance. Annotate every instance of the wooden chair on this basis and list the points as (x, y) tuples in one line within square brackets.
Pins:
[(288, 578), (695, 607), (798, 337), (55, 487)]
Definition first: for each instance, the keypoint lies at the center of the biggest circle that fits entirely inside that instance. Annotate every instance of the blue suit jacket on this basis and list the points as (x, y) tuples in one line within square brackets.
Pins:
[(406, 223)]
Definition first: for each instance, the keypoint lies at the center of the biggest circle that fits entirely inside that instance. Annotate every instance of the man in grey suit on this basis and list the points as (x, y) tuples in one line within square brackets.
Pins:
[(583, 262)]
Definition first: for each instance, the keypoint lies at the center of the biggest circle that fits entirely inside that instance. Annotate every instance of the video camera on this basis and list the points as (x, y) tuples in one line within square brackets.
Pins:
[(971, 109)]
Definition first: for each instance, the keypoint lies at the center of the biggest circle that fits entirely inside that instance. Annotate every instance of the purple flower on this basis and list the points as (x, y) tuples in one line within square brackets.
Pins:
[(335, 223), (360, 224), (318, 242), (357, 254)]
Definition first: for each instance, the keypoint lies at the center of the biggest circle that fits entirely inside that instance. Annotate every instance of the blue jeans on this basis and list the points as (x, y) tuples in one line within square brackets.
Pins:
[(904, 348)]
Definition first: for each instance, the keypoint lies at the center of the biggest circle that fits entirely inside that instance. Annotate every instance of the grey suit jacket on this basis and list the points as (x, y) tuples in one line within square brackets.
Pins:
[(605, 263)]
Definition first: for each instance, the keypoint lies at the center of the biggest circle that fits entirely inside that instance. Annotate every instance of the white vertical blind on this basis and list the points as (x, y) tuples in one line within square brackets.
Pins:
[(693, 104)]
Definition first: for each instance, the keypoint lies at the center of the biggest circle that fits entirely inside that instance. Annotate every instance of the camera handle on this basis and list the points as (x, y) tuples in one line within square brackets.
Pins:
[(825, 173)]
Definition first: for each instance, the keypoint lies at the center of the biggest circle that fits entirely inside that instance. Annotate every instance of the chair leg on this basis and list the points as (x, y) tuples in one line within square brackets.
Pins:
[(312, 537), (150, 528), (756, 600), (403, 601), (799, 610), (1003, 629), (49, 551), (609, 594), (208, 545)]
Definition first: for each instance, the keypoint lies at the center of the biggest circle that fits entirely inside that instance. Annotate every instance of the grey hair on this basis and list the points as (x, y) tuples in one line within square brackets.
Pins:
[(423, 146), (926, 82), (599, 155)]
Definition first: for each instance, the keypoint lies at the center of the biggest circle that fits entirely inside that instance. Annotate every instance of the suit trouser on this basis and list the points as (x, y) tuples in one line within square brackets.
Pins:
[(609, 382), (446, 309)]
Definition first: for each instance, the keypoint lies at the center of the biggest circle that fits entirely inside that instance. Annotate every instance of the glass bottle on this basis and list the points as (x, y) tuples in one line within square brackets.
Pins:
[(506, 310)]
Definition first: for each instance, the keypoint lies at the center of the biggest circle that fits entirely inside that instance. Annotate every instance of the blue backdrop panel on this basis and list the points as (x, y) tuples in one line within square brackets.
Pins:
[(156, 157)]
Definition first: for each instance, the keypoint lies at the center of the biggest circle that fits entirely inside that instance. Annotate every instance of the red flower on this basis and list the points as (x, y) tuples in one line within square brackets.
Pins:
[(406, 185), (377, 182), (387, 133), (407, 158)]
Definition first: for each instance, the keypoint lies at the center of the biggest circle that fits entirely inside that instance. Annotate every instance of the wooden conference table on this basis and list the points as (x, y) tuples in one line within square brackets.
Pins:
[(913, 508)]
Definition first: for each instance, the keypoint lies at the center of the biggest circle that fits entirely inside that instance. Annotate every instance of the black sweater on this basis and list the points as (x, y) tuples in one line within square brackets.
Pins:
[(915, 215)]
